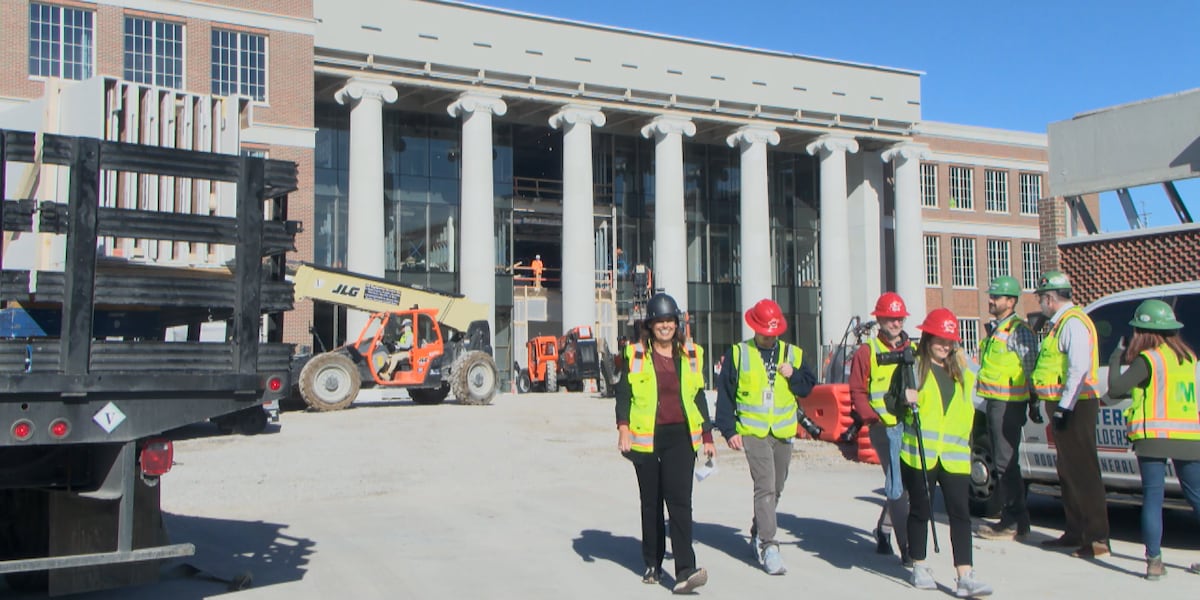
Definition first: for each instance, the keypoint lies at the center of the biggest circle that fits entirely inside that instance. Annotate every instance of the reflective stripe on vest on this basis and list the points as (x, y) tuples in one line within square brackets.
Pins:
[(754, 417), (1165, 407), (879, 379), (1051, 370), (945, 432), (643, 385), (1001, 374)]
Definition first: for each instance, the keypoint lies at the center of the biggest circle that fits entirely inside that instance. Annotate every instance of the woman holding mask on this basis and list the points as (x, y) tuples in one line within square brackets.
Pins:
[(662, 420)]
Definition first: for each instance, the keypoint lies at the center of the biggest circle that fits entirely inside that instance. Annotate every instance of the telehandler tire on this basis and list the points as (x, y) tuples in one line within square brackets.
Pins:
[(474, 378), (330, 381), (524, 384), (551, 377)]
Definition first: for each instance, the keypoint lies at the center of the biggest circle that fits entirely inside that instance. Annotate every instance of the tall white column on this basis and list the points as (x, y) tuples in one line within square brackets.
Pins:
[(835, 248), (755, 216), (578, 227), (365, 252), (477, 262), (670, 220), (910, 239)]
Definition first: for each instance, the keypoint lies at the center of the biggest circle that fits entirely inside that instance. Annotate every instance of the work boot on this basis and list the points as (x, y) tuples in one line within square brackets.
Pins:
[(883, 542), (1092, 550), (1195, 568), (689, 580), (999, 531), (1154, 568), (969, 587), (922, 578), (773, 560)]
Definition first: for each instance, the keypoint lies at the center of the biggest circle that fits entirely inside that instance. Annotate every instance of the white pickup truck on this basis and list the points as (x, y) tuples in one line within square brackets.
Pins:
[(1118, 464)]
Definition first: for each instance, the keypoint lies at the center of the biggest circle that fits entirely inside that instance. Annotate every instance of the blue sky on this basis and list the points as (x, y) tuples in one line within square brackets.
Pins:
[(1019, 64)]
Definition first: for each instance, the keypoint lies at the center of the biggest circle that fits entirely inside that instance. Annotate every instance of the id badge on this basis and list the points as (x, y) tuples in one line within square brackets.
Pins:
[(768, 397)]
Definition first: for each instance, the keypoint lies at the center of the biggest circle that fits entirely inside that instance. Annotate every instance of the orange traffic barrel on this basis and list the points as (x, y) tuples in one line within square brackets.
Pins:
[(828, 405)]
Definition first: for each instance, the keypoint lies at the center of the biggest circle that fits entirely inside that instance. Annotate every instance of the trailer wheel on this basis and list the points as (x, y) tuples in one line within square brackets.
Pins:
[(329, 381), (474, 378), (429, 396), (523, 382), (551, 377)]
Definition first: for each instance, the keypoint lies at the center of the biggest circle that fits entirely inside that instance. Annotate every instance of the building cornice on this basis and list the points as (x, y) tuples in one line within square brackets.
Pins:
[(221, 14), (973, 133)]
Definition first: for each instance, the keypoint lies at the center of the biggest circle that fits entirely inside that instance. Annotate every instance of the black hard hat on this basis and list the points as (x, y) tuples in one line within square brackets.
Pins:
[(662, 306)]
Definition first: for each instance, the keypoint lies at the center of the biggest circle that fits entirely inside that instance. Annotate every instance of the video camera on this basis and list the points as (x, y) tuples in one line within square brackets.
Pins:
[(904, 357), (904, 378)]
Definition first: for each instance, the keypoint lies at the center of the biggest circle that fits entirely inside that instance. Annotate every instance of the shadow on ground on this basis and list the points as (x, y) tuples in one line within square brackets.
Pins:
[(594, 544)]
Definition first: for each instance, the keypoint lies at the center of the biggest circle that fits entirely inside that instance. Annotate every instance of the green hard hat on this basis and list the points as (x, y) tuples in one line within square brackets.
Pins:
[(1155, 314), (1004, 286), (1053, 280)]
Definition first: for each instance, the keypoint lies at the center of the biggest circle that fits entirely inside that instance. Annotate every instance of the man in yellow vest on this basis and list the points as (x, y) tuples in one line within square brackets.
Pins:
[(757, 412), (1007, 356), (1065, 378)]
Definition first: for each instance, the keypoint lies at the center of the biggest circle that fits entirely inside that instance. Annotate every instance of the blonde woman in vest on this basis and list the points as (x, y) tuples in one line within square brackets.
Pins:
[(1162, 420), (943, 401), (662, 420)]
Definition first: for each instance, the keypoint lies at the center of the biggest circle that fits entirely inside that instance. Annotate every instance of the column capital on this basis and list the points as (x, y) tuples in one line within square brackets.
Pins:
[(469, 102), (905, 151), (574, 114), (753, 134), (832, 142), (374, 89), (668, 124)]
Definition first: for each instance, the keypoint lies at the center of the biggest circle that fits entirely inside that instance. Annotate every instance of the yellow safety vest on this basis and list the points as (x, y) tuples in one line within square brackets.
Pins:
[(754, 417), (1001, 374), (945, 433), (643, 383), (1165, 407), (880, 380), (1051, 368)]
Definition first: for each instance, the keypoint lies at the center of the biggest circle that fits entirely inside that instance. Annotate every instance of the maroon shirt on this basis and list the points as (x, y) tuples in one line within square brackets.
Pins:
[(670, 401), (860, 374)]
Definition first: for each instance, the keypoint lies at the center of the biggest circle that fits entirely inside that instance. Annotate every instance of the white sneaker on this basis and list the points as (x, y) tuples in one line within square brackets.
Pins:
[(922, 578), (969, 587), (773, 560), (756, 545)]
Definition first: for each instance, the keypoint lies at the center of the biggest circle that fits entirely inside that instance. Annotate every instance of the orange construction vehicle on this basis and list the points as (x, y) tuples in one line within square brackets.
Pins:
[(438, 346), (567, 361)]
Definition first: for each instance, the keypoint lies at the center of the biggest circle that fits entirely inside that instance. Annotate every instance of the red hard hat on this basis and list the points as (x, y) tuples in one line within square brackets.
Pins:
[(766, 318), (890, 305), (941, 323)]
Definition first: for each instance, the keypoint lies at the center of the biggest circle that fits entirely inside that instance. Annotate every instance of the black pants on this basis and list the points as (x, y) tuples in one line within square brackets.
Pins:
[(1005, 422), (1079, 473), (956, 494), (665, 477)]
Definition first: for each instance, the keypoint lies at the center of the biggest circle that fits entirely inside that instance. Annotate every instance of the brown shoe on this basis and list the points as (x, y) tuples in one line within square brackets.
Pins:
[(997, 532), (1092, 550), (1062, 542), (1155, 569)]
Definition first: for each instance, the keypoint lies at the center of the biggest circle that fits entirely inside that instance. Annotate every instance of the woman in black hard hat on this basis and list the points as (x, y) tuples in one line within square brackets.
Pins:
[(662, 421), (1162, 420)]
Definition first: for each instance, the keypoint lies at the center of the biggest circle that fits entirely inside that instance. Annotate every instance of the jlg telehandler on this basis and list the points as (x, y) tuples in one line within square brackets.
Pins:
[(449, 351), (566, 361)]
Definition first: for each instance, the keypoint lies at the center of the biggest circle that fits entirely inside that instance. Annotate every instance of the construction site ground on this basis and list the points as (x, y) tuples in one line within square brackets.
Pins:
[(528, 498)]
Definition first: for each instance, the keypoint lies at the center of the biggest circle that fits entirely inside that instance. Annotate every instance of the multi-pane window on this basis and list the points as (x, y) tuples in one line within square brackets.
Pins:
[(933, 261), (1031, 264), (962, 251), (929, 185), (1031, 191), (962, 195), (995, 186), (154, 52), (968, 330), (61, 41), (239, 64), (999, 264)]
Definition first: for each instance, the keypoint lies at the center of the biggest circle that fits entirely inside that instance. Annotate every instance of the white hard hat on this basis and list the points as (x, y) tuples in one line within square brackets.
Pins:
[(538, 256)]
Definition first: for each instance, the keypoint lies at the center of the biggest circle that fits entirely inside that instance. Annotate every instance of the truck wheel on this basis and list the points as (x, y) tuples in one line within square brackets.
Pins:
[(429, 396), (985, 501), (329, 381), (474, 378), (523, 382), (551, 377)]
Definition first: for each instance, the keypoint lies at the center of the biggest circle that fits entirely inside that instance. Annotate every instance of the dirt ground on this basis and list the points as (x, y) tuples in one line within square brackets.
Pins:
[(528, 498)]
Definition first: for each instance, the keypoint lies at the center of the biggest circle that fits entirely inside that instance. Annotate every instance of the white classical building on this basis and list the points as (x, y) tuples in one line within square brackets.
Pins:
[(732, 173)]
